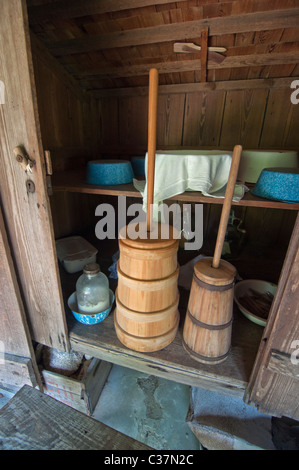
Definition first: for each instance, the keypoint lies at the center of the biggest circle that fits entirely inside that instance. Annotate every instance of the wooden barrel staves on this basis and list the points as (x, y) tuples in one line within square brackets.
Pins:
[(208, 323), (151, 255), (146, 317)]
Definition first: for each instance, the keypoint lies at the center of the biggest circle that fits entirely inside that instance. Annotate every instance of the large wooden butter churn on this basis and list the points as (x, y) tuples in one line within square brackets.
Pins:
[(146, 317)]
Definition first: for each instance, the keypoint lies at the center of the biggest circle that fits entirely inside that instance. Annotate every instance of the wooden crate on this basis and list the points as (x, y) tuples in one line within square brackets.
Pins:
[(82, 390)]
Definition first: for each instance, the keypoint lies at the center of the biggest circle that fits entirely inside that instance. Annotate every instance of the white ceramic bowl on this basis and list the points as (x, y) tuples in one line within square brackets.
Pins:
[(243, 288), (254, 161)]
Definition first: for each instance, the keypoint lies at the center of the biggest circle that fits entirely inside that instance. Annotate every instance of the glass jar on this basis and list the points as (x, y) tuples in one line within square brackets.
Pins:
[(92, 290)]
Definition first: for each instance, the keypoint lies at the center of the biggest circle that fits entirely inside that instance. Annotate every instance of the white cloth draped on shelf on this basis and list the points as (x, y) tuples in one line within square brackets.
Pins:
[(184, 170)]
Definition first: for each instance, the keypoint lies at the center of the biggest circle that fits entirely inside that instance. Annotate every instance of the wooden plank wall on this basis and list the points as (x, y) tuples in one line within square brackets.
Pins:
[(65, 112), (253, 117), (258, 117), (78, 126), (67, 129)]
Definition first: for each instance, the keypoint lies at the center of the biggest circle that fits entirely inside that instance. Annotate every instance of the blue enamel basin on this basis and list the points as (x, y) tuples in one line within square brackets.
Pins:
[(280, 184), (109, 172)]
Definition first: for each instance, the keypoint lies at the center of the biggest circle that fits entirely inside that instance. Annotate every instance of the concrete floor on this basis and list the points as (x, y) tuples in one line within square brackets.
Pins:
[(154, 410), (147, 408)]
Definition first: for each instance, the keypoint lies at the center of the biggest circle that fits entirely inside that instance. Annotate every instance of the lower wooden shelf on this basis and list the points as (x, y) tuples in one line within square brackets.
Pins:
[(173, 362)]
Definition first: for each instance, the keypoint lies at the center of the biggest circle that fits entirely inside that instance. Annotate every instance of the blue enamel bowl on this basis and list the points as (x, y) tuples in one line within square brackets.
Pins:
[(138, 165), (89, 319), (280, 184), (109, 172)]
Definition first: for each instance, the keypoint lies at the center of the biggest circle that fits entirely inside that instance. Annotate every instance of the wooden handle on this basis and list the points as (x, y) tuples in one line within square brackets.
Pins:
[(227, 204), (151, 148), (22, 158)]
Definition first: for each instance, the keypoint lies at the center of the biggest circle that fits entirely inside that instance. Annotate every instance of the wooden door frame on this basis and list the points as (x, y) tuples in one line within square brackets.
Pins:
[(27, 213), (274, 382), (17, 358)]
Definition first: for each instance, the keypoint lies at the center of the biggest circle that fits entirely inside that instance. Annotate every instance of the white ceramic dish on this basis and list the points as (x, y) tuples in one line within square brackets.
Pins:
[(243, 288), (254, 161), (74, 253)]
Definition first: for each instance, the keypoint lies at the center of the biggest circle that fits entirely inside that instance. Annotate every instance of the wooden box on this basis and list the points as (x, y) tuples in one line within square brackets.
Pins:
[(82, 390)]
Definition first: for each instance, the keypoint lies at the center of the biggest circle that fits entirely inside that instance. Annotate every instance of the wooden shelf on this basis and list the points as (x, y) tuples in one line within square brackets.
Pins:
[(172, 362), (74, 181)]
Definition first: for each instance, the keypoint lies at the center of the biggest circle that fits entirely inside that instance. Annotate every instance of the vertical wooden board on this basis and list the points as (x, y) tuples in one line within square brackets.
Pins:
[(14, 332), (17, 360), (277, 119), (276, 392), (72, 212), (53, 112), (291, 135), (61, 117), (243, 118), (170, 119), (76, 120), (18, 371), (108, 121), (133, 120), (263, 225), (65, 112), (203, 118), (27, 214)]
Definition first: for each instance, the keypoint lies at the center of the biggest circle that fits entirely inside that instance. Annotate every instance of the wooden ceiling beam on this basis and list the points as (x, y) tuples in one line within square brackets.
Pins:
[(258, 21), (241, 51), (279, 58), (67, 9), (252, 84)]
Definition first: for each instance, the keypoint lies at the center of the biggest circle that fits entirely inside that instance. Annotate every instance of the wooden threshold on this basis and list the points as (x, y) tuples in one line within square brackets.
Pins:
[(74, 181)]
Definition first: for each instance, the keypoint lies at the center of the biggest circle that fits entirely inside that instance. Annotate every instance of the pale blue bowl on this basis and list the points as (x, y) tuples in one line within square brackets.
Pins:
[(89, 319), (279, 184), (109, 172)]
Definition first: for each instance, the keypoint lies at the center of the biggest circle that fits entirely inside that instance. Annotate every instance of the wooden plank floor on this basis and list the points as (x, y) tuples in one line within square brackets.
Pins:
[(32, 420)]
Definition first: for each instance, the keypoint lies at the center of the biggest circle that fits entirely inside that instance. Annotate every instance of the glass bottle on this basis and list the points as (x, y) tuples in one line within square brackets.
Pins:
[(92, 290)]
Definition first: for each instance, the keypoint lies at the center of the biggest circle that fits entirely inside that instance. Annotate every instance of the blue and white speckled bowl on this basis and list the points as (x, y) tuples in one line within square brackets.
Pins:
[(89, 319), (109, 172), (138, 165), (280, 184)]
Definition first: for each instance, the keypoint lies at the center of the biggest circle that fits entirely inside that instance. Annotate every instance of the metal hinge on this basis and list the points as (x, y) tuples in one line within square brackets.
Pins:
[(48, 162), (49, 171)]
